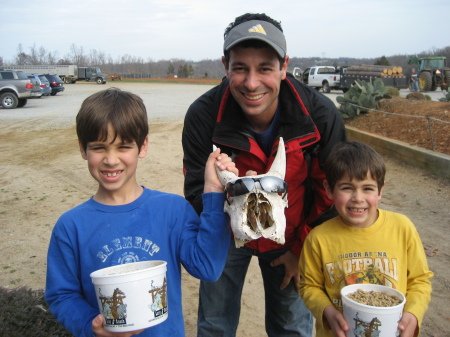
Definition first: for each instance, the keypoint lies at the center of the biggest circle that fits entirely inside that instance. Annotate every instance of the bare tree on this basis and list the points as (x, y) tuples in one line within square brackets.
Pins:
[(93, 58), (21, 56), (51, 57), (130, 66), (101, 59), (33, 57), (78, 56)]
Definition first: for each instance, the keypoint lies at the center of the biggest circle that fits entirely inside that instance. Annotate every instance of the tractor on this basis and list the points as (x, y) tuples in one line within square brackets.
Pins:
[(433, 72)]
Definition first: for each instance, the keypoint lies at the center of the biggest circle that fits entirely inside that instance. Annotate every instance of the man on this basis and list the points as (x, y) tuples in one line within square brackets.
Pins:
[(255, 105), (414, 80)]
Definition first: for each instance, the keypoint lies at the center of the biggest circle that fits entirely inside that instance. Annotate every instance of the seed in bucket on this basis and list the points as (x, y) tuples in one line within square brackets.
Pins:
[(374, 298)]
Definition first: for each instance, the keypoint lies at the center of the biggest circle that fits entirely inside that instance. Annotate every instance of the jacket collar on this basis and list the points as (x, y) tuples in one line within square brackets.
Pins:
[(232, 128)]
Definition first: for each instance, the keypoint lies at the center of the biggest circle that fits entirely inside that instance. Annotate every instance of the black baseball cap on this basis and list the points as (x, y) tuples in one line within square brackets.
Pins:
[(256, 30)]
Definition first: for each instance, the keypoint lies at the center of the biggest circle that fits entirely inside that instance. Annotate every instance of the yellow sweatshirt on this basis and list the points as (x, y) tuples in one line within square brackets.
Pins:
[(389, 252)]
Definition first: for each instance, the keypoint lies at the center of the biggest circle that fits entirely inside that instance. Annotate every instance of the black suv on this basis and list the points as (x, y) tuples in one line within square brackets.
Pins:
[(55, 83)]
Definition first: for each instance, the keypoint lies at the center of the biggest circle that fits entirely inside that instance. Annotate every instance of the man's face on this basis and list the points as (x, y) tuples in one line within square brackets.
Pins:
[(255, 77)]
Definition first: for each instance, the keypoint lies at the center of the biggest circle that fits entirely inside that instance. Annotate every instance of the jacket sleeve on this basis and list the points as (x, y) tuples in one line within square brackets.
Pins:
[(197, 145), (332, 131)]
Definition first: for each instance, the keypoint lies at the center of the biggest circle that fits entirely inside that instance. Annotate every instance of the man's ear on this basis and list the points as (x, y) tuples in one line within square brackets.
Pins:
[(82, 151), (224, 62), (328, 189), (285, 67)]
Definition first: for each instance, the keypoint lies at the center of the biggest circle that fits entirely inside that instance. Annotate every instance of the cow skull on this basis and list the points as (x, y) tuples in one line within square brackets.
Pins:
[(258, 213)]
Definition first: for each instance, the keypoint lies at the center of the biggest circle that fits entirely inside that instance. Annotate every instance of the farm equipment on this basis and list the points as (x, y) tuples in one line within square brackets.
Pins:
[(433, 72)]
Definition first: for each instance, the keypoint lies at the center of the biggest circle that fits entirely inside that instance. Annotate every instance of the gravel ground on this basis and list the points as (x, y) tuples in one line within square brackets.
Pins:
[(54, 112), (43, 175)]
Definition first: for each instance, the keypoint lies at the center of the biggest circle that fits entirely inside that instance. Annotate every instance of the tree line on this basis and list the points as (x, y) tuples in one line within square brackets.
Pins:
[(136, 67)]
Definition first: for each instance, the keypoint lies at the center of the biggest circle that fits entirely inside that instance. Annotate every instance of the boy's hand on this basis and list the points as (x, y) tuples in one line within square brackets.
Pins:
[(407, 325), (336, 321), (223, 162), (99, 330)]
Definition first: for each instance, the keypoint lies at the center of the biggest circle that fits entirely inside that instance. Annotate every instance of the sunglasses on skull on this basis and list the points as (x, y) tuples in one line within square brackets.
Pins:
[(246, 185)]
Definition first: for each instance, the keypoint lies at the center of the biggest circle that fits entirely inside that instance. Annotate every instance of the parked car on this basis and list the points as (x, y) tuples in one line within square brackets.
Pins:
[(45, 85), (15, 89), (55, 83), (37, 82)]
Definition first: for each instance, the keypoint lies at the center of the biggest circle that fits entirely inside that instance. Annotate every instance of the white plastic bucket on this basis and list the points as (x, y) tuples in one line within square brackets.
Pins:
[(366, 320), (132, 296)]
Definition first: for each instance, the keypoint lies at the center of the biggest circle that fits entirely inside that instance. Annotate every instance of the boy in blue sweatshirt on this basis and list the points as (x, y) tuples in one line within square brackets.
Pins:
[(125, 222)]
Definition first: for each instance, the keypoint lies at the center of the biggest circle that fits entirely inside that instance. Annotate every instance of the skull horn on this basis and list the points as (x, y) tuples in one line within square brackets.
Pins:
[(278, 168), (225, 176)]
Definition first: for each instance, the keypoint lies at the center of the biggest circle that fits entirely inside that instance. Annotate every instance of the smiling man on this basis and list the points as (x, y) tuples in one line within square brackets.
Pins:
[(257, 103)]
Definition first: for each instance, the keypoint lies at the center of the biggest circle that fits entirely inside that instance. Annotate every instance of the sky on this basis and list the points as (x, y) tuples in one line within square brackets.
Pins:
[(193, 30)]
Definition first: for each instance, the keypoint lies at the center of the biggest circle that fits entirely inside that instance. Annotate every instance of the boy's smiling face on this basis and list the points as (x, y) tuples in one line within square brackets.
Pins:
[(356, 200), (113, 163)]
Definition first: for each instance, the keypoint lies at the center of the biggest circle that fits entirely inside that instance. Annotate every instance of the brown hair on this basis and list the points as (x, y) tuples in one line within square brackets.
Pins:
[(124, 110), (356, 159)]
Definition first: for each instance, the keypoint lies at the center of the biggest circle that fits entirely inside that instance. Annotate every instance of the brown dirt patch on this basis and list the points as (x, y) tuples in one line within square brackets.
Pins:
[(420, 123)]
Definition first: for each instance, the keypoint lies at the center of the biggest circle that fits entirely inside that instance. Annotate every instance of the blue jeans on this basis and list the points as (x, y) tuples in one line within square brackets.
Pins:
[(415, 85), (220, 302)]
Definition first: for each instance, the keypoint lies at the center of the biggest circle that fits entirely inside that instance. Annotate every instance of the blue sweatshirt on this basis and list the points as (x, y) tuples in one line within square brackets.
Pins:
[(156, 226)]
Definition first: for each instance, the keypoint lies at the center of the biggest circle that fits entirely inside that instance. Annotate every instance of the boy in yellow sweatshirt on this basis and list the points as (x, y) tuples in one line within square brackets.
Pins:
[(364, 244)]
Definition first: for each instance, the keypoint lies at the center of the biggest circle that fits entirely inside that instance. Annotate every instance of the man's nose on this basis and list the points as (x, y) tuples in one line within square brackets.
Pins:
[(252, 81)]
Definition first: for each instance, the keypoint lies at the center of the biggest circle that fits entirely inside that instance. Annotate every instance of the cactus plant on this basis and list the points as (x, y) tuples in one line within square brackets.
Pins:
[(393, 92), (361, 97), (446, 97)]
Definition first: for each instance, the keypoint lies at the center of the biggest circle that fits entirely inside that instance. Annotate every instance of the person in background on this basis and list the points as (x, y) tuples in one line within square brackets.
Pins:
[(414, 78), (257, 103)]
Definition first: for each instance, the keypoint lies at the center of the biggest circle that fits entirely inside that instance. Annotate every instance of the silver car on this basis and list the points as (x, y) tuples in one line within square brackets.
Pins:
[(46, 89), (42, 83)]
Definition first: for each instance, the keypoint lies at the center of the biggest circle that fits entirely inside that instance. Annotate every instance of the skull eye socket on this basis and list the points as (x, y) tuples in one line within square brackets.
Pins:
[(245, 185)]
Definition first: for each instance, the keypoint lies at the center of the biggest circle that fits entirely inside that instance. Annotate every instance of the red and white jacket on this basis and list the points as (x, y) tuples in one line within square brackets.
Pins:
[(310, 126)]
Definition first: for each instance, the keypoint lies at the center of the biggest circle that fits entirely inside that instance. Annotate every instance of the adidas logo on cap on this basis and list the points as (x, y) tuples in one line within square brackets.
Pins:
[(253, 30), (257, 29)]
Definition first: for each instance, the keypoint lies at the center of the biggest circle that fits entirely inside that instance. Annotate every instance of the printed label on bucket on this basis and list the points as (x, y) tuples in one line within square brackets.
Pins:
[(159, 300), (369, 327), (114, 307)]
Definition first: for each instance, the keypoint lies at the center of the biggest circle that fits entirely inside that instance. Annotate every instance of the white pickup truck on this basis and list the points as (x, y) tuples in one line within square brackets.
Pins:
[(322, 77)]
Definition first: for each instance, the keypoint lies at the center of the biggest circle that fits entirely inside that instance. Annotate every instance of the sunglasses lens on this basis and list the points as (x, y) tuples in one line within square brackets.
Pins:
[(240, 187), (245, 185), (273, 184)]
